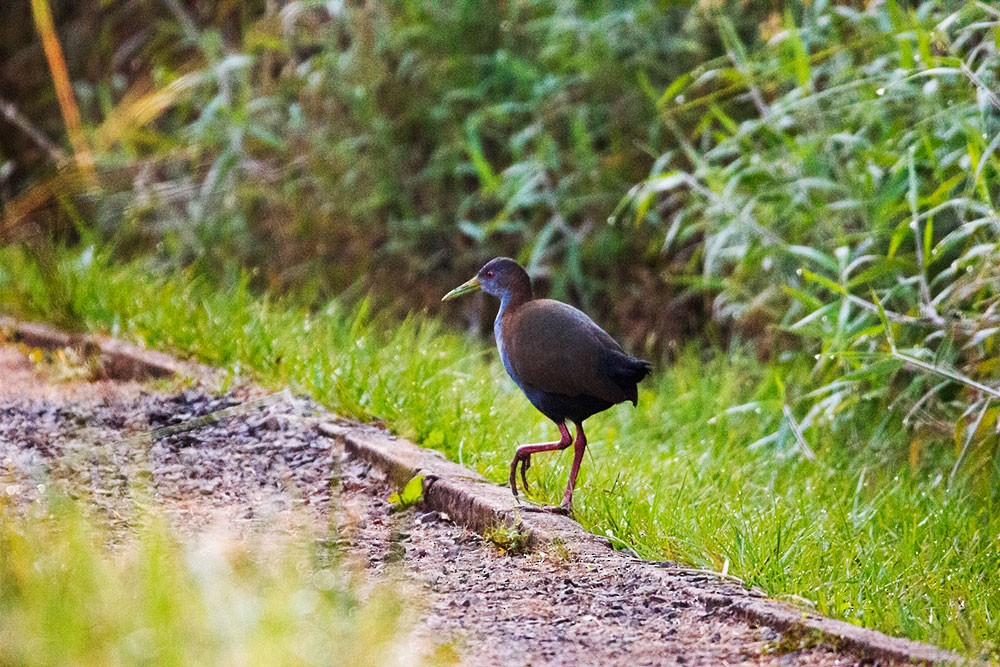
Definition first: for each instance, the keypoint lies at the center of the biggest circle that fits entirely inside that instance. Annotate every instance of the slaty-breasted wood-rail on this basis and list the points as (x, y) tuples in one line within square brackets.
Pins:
[(567, 366)]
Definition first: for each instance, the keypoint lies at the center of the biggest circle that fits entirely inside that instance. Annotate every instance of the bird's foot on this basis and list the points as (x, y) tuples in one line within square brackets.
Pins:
[(562, 510), (525, 462)]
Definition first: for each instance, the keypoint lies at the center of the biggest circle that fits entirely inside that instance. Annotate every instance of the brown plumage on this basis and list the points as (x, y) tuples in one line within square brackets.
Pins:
[(567, 366)]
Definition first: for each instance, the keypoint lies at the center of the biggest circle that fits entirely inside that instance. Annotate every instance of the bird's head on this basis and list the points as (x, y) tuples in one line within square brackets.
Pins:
[(501, 277)]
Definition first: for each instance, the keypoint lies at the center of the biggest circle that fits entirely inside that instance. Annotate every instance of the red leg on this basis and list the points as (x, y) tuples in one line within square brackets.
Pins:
[(524, 452), (578, 448)]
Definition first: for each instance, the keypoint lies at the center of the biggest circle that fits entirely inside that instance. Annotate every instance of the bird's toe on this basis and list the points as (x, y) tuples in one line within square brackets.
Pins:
[(525, 464), (513, 476), (562, 510)]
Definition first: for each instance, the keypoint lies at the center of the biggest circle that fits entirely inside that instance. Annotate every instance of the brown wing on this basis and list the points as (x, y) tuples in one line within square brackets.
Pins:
[(556, 348)]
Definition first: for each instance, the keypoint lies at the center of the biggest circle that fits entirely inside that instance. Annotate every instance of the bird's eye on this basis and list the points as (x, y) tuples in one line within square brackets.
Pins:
[(489, 274)]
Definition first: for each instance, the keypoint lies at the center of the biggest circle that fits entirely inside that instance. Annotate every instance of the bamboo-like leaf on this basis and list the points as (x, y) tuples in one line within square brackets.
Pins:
[(824, 260), (800, 57), (675, 87), (474, 149), (803, 297), (831, 285)]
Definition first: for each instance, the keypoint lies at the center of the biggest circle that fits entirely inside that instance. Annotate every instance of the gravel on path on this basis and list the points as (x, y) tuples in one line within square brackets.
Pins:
[(264, 467)]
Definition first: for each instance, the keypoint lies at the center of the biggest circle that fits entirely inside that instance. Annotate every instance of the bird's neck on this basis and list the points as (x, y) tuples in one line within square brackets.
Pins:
[(510, 301), (519, 293)]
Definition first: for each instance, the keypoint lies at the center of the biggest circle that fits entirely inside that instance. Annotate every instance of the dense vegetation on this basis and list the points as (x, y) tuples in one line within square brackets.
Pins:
[(801, 197), (685, 476)]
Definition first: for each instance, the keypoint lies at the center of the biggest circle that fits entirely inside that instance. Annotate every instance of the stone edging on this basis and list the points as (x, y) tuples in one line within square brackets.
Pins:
[(116, 359), (470, 500)]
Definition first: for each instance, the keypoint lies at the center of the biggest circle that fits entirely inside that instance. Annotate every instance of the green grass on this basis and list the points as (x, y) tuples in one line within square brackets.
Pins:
[(861, 532), (71, 595)]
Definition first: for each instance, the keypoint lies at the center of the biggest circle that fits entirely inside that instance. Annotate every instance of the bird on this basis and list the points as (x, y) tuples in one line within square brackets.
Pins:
[(567, 366)]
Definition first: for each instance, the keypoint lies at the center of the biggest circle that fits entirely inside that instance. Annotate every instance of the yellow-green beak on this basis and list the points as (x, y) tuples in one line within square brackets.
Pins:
[(470, 285)]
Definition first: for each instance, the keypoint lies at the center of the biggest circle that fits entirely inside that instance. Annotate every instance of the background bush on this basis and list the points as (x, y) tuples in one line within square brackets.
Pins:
[(855, 209), (815, 179), (397, 145)]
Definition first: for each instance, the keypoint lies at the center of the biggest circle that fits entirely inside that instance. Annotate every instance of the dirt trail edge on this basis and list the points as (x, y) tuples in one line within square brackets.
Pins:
[(571, 600), (471, 500)]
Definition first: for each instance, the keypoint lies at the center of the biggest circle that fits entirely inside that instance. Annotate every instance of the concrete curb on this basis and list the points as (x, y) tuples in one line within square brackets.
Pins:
[(116, 360), (470, 500)]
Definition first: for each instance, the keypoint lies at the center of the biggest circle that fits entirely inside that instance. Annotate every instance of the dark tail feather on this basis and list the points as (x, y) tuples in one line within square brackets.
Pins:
[(627, 372)]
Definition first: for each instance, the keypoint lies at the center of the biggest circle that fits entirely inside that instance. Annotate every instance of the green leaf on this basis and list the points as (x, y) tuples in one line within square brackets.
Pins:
[(824, 281), (411, 494), (884, 268), (646, 86), (799, 54), (474, 148), (898, 234), (673, 89), (813, 319), (802, 296), (928, 239), (885, 321), (643, 207), (820, 258), (265, 136)]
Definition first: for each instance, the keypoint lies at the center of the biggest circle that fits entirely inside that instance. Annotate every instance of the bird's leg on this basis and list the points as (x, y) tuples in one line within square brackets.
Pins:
[(524, 452), (578, 448)]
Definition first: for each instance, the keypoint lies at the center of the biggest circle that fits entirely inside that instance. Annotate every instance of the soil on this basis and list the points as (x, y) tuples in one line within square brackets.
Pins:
[(263, 466)]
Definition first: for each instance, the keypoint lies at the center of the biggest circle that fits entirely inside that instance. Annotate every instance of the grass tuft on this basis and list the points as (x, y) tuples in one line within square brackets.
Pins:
[(508, 539)]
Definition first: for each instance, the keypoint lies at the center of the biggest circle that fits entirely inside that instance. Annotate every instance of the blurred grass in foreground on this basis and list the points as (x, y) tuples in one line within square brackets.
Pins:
[(861, 532), (69, 596)]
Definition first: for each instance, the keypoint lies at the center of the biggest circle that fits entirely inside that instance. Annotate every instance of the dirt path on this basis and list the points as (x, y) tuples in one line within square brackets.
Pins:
[(266, 468)]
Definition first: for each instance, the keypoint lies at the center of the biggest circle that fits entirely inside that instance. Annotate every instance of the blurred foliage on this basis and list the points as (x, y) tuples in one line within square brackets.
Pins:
[(72, 595), (395, 146), (855, 210), (817, 178)]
